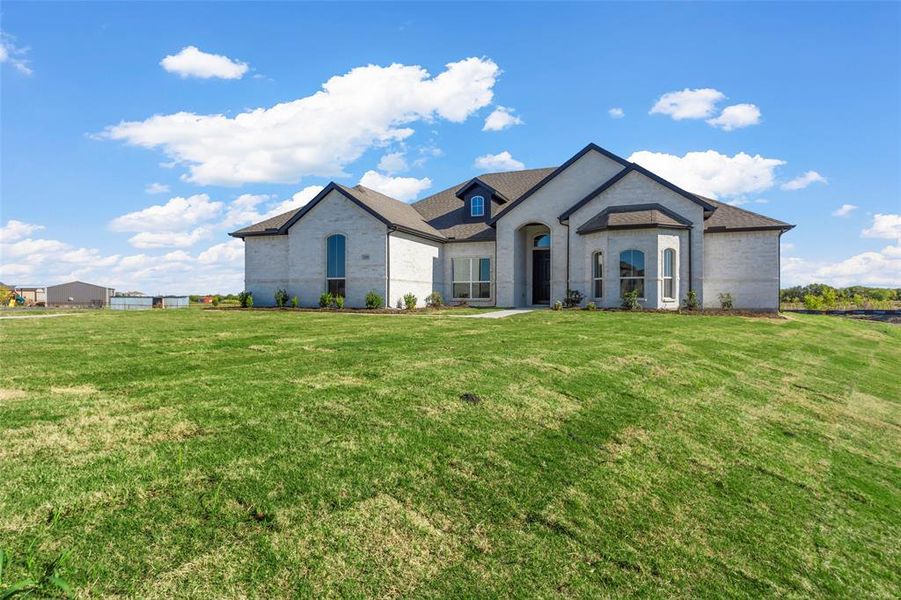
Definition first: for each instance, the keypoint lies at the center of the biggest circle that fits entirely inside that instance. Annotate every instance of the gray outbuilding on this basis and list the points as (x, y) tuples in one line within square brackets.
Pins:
[(79, 294)]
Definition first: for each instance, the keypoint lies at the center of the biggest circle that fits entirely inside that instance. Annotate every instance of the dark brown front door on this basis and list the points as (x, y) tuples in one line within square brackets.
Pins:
[(541, 276)]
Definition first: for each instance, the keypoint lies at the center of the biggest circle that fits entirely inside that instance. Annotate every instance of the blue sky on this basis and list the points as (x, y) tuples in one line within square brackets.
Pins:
[(815, 93)]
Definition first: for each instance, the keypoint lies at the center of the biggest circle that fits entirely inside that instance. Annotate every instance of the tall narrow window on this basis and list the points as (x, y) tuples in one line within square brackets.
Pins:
[(669, 267), (598, 274), (477, 206), (472, 278), (631, 272), (334, 271)]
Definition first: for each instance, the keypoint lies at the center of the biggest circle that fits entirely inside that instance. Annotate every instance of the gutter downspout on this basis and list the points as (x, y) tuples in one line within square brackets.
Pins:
[(779, 271), (388, 267), (690, 286), (567, 257)]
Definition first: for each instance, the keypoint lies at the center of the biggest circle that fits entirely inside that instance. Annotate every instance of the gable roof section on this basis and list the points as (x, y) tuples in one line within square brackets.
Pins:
[(634, 216), (393, 213)]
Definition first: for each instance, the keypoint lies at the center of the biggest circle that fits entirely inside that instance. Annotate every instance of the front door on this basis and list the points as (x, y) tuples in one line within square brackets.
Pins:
[(541, 276)]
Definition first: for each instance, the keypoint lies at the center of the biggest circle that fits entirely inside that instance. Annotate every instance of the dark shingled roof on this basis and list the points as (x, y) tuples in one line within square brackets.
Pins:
[(731, 218), (441, 216), (444, 210), (635, 216)]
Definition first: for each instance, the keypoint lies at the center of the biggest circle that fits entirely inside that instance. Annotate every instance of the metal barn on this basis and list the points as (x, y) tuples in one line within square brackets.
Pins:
[(78, 294)]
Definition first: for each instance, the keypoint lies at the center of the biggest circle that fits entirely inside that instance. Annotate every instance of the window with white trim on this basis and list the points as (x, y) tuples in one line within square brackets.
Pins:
[(631, 272), (597, 266), (334, 269), (477, 206), (471, 278), (669, 268)]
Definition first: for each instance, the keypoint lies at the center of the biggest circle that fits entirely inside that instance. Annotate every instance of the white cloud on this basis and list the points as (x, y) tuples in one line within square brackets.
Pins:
[(226, 252), (802, 181), (503, 161), (243, 210), (175, 215), (844, 210), (616, 113), (736, 117), (301, 198), (193, 62), (501, 118), (886, 227), (16, 230), (401, 188), (156, 188), (688, 104), (711, 173), (394, 162), (882, 268), (13, 55), (319, 134), (169, 239)]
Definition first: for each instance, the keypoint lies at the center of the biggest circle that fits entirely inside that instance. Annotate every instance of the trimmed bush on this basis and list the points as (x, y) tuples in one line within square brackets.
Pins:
[(281, 297), (325, 300), (295, 302), (246, 299), (373, 300), (591, 306), (630, 301), (691, 301), (409, 301), (557, 305), (573, 298), (434, 300), (339, 301), (726, 301)]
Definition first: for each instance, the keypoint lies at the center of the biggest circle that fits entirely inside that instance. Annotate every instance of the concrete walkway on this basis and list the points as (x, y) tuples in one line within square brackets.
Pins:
[(496, 314), (39, 316)]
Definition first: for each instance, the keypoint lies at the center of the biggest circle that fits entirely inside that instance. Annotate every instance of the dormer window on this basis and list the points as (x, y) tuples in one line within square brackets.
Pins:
[(477, 206)]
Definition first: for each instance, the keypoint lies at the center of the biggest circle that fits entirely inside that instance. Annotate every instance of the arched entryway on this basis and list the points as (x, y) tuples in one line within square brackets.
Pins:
[(532, 265), (541, 268)]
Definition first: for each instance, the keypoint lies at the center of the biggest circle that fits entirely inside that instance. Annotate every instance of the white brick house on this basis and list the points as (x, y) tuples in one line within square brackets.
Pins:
[(597, 224)]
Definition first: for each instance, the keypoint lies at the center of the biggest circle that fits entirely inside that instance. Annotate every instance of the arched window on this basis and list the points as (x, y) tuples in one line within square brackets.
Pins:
[(334, 270), (631, 272), (542, 241), (669, 268), (597, 262), (477, 206)]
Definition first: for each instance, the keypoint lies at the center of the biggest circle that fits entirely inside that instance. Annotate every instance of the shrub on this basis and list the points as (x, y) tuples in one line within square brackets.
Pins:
[(591, 306), (250, 301), (812, 302), (215, 300), (373, 300), (339, 301), (400, 303), (573, 298), (726, 301), (409, 301), (281, 297), (630, 301), (246, 299), (557, 305), (295, 302), (434, 300), (325, 300), (829, 298), (691, 300)]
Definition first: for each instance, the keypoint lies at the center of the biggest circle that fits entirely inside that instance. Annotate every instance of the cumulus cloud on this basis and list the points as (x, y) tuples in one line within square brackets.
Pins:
[(844, 210), (401, 188), (16, 230), (503, 161), (393, 162), (193, 62), (176, 214), (169, 239), (13, 55), (501, 118), (885, 226), (882, 268), (802, 181), (156, 188), (319, 134), (736, 117), (688, 104), (226, 252), (711, 173), (616, 113), (301, 198)]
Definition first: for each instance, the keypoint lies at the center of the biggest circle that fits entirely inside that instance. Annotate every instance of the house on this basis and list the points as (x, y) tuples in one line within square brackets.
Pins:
[(598, 224), (78, 294)]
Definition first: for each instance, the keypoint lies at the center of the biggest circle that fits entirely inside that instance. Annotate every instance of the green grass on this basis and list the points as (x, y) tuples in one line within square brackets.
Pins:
[(276, 454)]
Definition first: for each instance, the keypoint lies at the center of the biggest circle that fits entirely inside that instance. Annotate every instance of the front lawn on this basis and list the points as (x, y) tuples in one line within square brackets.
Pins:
[(267, 454)]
